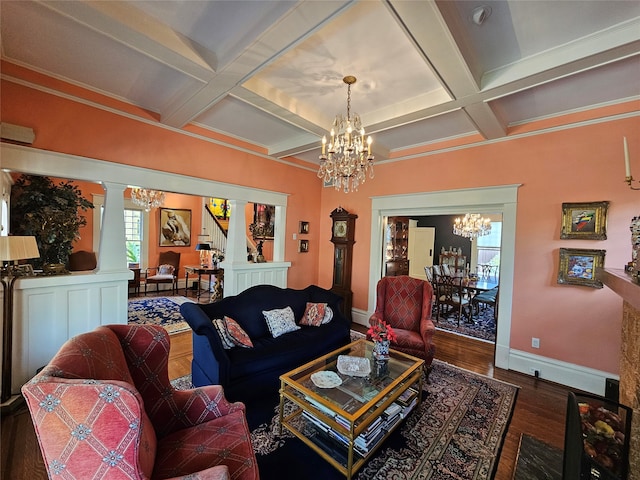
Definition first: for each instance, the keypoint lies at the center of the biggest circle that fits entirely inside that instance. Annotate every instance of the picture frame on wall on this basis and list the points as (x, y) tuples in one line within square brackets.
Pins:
[(578, 267), (584, 221), (303, 246), (175, 227), (304, 227)]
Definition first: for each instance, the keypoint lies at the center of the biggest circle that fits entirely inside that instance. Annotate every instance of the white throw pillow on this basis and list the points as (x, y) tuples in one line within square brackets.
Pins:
[(328, 315), (280, 321)]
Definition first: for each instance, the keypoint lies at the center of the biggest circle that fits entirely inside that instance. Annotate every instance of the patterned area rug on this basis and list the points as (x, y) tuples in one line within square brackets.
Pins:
[(163, 311), (483, 326), (456, 433)]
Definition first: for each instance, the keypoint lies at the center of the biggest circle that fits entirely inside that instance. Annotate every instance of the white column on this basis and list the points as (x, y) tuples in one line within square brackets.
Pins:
[(113, 252), (279, 234), (236, 235)]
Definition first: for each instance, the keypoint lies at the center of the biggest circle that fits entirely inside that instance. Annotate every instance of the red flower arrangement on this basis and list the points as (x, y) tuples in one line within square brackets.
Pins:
[(381, 331)]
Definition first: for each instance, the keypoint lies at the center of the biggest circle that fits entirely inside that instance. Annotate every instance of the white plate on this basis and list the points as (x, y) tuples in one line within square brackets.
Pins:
[(326, 379), (354, 366)]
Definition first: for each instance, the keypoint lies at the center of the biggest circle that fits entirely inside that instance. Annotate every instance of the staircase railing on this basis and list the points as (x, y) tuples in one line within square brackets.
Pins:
[(215, 230), (218, 233)]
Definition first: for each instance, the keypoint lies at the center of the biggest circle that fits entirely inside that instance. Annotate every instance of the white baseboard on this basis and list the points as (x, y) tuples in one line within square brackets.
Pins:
[(361, 317), (569, 374)]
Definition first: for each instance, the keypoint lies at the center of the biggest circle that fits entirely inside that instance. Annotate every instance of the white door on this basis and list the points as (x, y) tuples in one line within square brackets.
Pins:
[(421, 242)]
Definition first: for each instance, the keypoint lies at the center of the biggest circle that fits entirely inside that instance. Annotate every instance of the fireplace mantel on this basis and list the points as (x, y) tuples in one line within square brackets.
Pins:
[(621, 283)]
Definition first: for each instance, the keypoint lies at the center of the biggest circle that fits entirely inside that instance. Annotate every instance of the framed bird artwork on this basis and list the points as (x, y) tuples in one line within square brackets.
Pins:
[(585, 221)]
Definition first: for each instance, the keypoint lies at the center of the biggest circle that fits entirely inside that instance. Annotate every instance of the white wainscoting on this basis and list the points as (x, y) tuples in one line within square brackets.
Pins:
[(240, 276), (50, 310)]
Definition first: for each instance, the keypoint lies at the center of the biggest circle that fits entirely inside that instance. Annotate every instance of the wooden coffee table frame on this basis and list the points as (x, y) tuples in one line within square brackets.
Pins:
[(295, 386)]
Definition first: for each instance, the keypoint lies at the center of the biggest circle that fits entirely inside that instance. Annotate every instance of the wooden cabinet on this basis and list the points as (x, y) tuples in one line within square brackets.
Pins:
[(457, 262), (396, 246)]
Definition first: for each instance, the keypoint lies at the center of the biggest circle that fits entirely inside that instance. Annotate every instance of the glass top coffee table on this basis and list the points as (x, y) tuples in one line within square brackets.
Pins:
[(347, 404)]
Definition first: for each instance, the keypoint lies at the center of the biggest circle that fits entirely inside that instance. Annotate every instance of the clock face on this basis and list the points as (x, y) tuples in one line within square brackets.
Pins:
[(340, 229)]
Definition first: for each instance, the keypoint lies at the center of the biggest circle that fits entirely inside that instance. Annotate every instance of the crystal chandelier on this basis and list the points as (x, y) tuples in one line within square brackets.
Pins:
[(346, 160), (473, 225), (147, 199)]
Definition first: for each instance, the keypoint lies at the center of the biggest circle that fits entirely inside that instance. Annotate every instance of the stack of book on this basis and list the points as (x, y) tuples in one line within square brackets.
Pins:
[(336, 442)]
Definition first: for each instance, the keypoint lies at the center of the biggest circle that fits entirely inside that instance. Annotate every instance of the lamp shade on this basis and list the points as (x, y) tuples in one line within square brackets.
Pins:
[(18, 248), (203, 246)]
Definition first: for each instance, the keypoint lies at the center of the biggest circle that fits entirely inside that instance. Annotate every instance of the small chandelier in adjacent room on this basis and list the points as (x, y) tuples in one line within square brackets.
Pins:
[(147, 199), (346, 159), (471, 226)]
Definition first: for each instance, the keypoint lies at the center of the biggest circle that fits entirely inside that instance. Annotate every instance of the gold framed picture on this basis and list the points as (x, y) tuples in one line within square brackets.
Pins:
[(303, 246), (175, 227), (586, 221), (304, 227), (578, 267)]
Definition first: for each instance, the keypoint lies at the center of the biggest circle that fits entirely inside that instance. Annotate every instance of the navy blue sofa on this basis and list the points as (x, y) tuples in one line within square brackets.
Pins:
[(246, 372)]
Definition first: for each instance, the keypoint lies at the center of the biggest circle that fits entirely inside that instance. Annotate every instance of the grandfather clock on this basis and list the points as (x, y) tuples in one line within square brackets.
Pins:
[(342, 237)]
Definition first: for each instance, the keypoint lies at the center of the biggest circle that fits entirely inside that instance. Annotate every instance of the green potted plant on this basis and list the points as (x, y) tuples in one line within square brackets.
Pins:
[(51, 213)]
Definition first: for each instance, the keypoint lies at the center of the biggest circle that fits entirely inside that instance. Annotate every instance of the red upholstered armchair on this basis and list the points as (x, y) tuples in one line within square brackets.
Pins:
[(405, 303), (103, 408)]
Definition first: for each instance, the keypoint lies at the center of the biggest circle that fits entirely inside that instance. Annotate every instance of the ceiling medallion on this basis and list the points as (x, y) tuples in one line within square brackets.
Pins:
[(473, 225), (147, 199), (345, 161)]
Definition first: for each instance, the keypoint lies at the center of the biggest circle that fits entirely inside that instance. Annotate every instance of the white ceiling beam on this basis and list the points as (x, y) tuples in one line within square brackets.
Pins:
[(310, 123), (587, 52), (485, 120), (426, 27), (293, 27), (129, 26)]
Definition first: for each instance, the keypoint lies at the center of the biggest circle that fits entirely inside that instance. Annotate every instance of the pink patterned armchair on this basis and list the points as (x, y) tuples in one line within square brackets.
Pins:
[(405, 303), (103, 408)]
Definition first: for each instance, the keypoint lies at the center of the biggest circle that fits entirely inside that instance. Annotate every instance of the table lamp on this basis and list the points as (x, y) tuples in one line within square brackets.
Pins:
[(12, 248), (204, 249)]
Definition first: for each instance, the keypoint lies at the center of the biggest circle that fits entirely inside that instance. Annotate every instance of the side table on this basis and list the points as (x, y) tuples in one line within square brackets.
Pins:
[(211, 272)]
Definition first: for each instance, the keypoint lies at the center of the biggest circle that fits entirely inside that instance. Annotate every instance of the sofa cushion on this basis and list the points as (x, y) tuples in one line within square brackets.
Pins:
[(328, 315), (231, 334), (221, 327), (280, 321), (237, 334), (286, 352), (313, 314)]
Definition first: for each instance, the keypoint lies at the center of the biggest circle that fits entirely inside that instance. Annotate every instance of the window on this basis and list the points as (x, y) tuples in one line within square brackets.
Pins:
[(133, 235), (489, 246), (136, 225)]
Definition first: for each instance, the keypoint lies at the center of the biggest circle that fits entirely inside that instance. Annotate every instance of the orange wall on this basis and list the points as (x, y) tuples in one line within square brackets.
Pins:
[(575, 324)]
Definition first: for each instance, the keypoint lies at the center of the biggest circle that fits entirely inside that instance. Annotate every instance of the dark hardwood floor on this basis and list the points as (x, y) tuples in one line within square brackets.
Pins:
[(539, 411)]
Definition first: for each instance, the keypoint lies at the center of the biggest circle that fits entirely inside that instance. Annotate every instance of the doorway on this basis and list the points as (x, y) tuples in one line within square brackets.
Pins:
[(499, 199)]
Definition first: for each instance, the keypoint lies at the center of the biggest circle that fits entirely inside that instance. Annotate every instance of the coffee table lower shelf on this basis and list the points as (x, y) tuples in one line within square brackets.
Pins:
[(337, 448), (345, 417)]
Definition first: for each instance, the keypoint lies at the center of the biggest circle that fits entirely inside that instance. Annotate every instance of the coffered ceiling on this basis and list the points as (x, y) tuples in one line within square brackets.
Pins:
[(269, 72)]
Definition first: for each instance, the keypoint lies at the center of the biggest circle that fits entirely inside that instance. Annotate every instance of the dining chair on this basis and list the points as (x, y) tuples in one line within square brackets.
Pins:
[(489, 297), (436, 270), (451, 293)]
